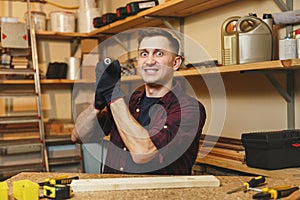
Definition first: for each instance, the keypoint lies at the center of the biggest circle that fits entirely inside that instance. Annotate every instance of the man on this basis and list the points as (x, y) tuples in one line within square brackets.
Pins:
[(159, 131)]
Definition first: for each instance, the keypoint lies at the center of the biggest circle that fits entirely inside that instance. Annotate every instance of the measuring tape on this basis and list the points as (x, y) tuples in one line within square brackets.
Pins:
[(58, 187), (57, 191)]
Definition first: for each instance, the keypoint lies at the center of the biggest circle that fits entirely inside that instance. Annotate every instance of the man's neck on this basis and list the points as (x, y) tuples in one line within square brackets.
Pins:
[(155, 90)]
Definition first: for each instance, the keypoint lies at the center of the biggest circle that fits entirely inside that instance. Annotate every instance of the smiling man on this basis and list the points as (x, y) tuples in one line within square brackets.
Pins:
[(158, 131)]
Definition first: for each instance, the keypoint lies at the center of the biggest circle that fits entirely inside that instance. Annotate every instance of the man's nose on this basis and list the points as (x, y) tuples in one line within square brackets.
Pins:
[(150, 60)]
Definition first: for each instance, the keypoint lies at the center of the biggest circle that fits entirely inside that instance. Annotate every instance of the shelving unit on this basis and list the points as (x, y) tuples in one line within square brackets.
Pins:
[(62, 150)]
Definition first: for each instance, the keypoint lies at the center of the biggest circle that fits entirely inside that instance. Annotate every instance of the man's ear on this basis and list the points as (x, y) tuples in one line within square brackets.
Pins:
[(177, 63)]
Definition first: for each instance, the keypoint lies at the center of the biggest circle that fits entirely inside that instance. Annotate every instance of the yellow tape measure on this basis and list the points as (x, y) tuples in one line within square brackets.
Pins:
[(57, 191)]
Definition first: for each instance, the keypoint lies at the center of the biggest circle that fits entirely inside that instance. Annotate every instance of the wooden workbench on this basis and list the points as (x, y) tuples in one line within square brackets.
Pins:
[(211, 193)]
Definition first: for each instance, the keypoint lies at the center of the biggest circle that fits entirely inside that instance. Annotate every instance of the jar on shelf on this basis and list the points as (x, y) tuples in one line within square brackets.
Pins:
[(5, 58)]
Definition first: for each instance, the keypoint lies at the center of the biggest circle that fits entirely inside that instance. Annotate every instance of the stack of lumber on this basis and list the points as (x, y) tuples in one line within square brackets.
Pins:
[(223, 152), (20, 62), (21, 131), (223, 147), (55, 127)]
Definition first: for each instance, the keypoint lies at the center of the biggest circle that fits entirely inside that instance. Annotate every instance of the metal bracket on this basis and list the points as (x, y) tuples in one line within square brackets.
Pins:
[(287, 92), (281, 5), (289, 5), (74, 46)]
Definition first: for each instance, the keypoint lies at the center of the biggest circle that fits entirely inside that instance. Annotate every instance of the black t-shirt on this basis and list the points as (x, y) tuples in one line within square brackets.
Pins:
[(146, 104)]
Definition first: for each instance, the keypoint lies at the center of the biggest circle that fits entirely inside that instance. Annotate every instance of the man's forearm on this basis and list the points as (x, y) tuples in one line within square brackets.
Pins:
[(133, 134), (86, 126)]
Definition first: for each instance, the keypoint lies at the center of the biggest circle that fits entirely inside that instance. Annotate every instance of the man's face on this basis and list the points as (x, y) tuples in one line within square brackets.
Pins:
[(156, 60)]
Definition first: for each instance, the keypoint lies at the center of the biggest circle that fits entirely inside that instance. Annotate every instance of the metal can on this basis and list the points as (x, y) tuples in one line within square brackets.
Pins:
[(287, 48)]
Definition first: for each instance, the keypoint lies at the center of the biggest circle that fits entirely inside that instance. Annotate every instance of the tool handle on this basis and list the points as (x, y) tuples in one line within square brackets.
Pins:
[(255, 181), (261, 195), (287, 192), (275, 194)]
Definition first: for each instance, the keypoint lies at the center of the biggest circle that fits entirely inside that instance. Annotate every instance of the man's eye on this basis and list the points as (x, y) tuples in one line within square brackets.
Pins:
[(159, 53), (143, 54)]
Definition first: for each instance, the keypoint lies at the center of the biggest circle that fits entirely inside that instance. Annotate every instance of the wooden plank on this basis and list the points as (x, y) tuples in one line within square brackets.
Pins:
[(223, 153), (135, 183), (221, 145)]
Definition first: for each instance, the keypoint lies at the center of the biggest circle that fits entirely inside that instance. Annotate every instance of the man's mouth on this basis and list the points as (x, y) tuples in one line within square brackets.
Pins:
[(150, 70)]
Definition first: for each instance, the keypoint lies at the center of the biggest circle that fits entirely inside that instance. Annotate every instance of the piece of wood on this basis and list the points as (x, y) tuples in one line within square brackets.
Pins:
[(222, 153), (135, 183)]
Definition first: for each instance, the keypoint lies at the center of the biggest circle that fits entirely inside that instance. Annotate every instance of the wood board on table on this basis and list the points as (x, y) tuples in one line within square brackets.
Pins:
[(135, 183)]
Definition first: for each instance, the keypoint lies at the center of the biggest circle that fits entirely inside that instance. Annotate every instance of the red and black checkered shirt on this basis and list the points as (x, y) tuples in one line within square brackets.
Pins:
[(175, 129)]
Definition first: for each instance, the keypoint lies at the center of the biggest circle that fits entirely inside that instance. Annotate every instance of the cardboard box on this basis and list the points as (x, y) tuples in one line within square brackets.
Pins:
[(14, 35), (88, 73), (89, 62), (272, 150), (89, 45)]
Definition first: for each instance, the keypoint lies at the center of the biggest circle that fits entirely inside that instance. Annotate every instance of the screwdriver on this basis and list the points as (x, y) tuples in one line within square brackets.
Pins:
[(252, 183)]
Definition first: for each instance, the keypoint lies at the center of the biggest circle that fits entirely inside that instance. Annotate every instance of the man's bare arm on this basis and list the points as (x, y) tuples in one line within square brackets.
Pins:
[(132, 133), (86, 126)]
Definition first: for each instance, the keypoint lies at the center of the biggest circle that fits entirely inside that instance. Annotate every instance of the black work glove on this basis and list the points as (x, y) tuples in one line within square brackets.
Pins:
[(108, 75)]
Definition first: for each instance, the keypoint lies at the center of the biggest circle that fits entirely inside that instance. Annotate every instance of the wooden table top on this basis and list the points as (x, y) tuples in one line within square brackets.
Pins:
[(227, 183)]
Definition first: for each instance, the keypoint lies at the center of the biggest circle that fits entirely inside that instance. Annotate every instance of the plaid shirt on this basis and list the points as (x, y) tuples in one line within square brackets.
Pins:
[(175, 129)]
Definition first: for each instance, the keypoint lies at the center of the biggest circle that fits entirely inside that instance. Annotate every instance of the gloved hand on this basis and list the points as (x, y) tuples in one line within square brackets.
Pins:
[(108, 75)]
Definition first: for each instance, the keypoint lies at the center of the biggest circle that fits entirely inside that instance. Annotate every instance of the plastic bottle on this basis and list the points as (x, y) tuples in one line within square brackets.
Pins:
[(268, 19)]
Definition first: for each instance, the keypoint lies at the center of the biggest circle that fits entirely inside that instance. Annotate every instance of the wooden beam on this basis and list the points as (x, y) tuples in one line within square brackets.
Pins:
[(133, 183)]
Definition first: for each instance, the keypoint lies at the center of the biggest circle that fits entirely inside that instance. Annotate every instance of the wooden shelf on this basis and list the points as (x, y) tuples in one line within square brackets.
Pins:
[(43, 82), (173, 8), (63, 35), (292, 64), (266, 65)]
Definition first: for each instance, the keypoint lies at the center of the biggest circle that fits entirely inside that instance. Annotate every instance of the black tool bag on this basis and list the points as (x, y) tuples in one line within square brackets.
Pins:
[(272, 149), (57, 70)]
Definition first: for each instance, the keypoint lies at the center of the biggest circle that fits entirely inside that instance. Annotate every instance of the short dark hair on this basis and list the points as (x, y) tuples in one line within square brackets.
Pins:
[(151, 32)]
